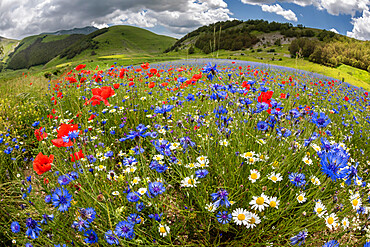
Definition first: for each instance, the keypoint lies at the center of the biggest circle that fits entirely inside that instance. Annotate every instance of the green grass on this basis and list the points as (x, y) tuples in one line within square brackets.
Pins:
[(50, 38), (356, 77), (358, 73)]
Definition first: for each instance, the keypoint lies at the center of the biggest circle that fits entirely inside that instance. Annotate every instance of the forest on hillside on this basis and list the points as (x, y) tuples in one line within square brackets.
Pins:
[(347, 51)]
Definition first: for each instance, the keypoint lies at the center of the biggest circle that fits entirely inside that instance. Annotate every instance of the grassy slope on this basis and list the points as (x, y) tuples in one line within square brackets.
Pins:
[(355, 76), (135, 43), (8, 46)]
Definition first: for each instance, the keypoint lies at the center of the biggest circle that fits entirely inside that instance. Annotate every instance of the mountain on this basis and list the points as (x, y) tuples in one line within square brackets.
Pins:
[(83, 30), (40, 49)]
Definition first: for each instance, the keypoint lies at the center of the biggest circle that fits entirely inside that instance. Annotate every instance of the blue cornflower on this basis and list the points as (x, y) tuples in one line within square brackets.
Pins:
[(367, 244), (111, 238), (298, 179), (157, 217), (47, 198), (201, 173), (321, 120), (15, 227), (190, 97), (186, 141), (28, 245), (156, 188), (351, 172), (73, 175), (331, 243), (35, 124), (125, 229), (63, 180), (46, 217), (223, 217), (33, 228), (8, 150), (129, 161), (299, 238), (29, 189), (332, 164), (134, 219), (62, 199), (91, 237), (140, 206), (220, 198), (80, 225), (88, 214), (262, 125), (133, 197), (72, 135)]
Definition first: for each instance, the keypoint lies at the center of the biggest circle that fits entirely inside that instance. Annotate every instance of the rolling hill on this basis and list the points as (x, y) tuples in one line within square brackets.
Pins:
[(8, 46), (316, 45), (44, 48), (83, 30)]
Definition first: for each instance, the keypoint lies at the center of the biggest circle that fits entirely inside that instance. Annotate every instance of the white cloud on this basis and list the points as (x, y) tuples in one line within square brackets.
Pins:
[(334, 30), (361, 26), (333, 7), (20, 18), (287, 14)]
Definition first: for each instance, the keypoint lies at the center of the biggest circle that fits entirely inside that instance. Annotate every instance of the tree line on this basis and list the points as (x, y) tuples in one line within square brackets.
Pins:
[(342, 50)]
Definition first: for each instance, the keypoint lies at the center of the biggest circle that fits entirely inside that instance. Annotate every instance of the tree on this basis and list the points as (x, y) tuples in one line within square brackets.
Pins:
[(191, 50)]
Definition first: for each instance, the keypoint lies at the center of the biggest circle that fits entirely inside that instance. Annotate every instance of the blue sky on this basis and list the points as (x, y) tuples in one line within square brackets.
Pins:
[(21, 18)]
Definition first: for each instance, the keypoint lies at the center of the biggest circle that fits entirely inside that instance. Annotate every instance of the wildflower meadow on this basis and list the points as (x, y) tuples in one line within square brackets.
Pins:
[(190, 153)]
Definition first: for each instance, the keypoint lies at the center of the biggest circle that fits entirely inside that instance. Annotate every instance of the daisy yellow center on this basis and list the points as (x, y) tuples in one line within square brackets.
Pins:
[(248, 154), (307, 161), (330, 220), (274, 178), (260, 200), (241, 217), (191, 181), (254, 176), (252, 220), (251, 160), (162, 229), (262, 157), (272, 204), (344, 223), (319, 210), (135, 181), (191, 165), (355, 202), (300, 198)]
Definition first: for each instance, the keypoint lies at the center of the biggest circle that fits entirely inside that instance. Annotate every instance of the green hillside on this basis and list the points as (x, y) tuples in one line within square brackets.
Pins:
[(57, 49), (39, 49), (116, 40), (7, 45)]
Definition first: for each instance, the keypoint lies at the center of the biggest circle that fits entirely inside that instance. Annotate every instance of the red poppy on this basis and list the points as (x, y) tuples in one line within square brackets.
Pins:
[(42, 163), (265, 97), (116, 85), (81, 66), (145, 66), (77, 156), (346, 98), (40, 134), (151, 85)]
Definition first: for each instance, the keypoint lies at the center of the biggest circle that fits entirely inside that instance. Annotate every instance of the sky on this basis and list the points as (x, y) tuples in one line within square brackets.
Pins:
[(22, 18)]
